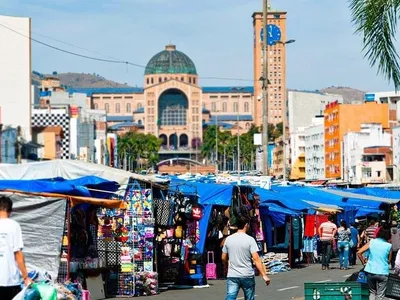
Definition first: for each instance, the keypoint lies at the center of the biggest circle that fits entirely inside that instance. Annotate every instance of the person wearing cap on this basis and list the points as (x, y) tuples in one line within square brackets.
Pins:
[(395, 238)]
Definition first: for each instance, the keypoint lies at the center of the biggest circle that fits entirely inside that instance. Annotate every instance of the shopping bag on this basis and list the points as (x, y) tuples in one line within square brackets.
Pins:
[(21, 294), (211, 267), (47, 292)]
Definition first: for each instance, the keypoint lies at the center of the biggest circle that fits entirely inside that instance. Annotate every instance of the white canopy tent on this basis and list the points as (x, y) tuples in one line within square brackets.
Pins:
[(69, 169)]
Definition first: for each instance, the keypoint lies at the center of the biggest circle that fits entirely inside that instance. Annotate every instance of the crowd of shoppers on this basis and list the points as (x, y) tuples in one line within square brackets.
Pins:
[(376, 246)]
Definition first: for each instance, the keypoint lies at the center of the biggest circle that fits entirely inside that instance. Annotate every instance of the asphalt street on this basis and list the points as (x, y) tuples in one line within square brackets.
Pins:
[(284, 286)]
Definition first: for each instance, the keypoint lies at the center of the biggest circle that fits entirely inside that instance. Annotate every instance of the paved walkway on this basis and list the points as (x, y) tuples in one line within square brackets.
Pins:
[(284, 286)]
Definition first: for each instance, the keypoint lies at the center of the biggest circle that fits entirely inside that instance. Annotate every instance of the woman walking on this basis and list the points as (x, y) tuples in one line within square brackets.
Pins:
[(344, 237), (377, 264)]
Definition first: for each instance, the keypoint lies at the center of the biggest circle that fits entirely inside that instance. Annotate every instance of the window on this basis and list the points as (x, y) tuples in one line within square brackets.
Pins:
[(190, 79), (246, 107), (182, 79), (224, 106), (159, 79), (107, 107), (194, 80), (139, 105), (165, 78), (96, 106), (366, 172), (128, 108), (378, 173), (147, 80), (213, 107), (235, 107), (117, 108), (152, 80)]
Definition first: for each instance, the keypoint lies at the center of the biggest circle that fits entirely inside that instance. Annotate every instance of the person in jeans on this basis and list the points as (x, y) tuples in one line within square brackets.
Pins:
[(344, 237), (355, 239), (12, 264), (327, 232), (240, 251), (377, 264), (395, 239)]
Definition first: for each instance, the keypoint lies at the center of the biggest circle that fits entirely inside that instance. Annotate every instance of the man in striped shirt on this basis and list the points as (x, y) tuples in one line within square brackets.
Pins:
[(327, 232)]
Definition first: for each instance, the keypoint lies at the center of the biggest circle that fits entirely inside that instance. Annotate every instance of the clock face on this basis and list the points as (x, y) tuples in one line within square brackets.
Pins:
[(273, 34)]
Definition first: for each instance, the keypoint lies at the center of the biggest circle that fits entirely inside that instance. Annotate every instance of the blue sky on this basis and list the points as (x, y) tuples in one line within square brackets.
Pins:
[(216, 34)]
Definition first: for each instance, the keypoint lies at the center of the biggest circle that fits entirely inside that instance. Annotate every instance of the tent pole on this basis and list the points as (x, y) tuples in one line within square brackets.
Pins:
[(290, 241), (69, 205)]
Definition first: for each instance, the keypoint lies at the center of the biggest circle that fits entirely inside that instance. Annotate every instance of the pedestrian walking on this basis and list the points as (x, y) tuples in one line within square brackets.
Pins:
[(377, 264), (11, 257), (240, 251), (344, 238), (354, 244), (395, 239), (327, 232)]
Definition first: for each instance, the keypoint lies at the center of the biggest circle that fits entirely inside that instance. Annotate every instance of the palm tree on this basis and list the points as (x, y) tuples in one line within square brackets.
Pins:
[(376, 21)]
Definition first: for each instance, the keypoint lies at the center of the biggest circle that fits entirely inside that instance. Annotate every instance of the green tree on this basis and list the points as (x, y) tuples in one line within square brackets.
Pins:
[(136, 147), (376, 21)]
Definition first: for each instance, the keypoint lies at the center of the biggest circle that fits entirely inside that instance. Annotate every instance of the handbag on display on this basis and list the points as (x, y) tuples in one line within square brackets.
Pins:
[(179, 232), (197, 213)]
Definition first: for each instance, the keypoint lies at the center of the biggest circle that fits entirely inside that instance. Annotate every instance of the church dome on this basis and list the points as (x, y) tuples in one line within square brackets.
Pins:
[(170, 61)]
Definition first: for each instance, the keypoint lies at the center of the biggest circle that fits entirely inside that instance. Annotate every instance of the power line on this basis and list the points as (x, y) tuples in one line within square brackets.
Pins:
[(114, 60)]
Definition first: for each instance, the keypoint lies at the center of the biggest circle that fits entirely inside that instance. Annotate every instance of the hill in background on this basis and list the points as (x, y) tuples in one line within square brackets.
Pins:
[(349, 94), (78, 80), (82, 80)]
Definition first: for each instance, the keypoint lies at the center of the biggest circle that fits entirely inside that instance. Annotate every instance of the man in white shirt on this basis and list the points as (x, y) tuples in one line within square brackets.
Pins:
[(11, 258)]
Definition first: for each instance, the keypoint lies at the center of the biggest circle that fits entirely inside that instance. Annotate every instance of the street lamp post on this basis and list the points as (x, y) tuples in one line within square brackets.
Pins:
[(238, 90), (216, 144)]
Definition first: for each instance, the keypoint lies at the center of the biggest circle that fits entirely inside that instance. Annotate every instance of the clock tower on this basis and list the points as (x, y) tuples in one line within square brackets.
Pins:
[(276, 58)]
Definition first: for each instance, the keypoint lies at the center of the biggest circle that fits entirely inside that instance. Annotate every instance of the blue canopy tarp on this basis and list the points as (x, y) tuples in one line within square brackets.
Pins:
[(74, 187), (377, 192)]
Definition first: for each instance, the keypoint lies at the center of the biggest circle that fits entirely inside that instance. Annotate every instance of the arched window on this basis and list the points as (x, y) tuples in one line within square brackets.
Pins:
[(235, 107), (182, 79), (248, 126), (139, 122), (159, 79), (152, 80), (165, 78), (246, 107), (194, 80), (224, 106), (117, 108), (139, 105), (107, 107), (213, 107), (190, 79), (172, 108), (128, 108), (147, 80)]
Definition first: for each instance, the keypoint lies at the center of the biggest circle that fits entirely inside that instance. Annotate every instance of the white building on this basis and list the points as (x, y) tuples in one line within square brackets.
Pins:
[(360, 166), (396, 154), (392, 98), (297, 145), (315, 150), (303, 106), (15, 74)]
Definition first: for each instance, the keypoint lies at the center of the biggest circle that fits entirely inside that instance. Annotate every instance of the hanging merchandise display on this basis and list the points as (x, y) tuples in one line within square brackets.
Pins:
[(131, 233), (177, 237)]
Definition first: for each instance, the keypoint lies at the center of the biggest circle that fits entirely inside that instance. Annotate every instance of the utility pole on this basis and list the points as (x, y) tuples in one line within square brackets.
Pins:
[(216, 144), (19, 145), (265, 88)]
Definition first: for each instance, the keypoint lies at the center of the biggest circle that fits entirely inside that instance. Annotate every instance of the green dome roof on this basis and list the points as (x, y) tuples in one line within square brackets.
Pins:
[(170, 61)]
